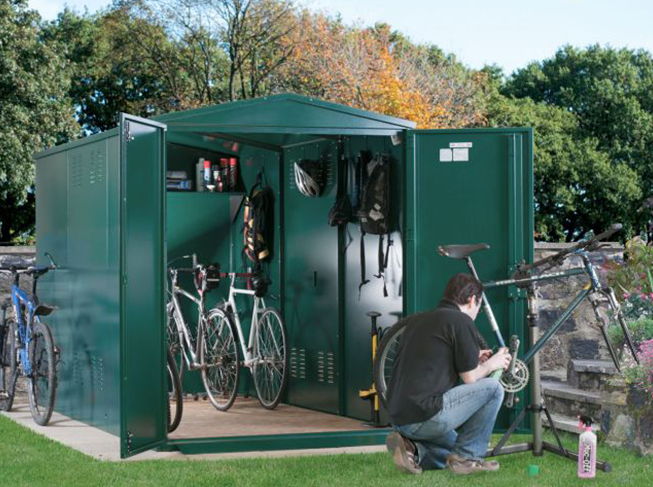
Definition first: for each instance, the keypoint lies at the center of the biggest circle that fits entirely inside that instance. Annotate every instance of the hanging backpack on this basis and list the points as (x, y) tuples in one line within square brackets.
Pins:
[(374, 212), (257, 235), (342, 212)]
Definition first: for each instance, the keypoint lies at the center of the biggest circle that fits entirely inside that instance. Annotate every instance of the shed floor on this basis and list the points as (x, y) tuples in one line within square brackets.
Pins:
[(247, 417)]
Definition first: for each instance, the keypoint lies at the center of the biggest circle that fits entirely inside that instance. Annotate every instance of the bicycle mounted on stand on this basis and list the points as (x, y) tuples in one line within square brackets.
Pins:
[(516, 377), (27, 346)]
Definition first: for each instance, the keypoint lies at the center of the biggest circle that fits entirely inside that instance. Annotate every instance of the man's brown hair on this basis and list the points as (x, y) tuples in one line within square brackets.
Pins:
[(461, 287)]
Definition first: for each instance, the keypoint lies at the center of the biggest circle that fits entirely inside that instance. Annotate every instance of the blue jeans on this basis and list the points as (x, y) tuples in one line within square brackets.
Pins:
[(463, 426)]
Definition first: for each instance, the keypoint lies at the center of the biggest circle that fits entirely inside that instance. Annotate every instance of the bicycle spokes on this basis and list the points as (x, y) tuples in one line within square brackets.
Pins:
[(220, 371), (269, 361)]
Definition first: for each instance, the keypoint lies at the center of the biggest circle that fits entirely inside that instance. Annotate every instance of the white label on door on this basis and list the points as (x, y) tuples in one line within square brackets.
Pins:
[(446, 155), (460, 144), (461, 155)]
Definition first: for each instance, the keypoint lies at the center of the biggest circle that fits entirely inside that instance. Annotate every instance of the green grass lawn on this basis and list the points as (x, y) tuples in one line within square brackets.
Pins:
[(28, 459)]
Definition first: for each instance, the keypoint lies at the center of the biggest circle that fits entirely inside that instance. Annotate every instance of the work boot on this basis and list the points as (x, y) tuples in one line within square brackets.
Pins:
[(464, 466), (404, 453)]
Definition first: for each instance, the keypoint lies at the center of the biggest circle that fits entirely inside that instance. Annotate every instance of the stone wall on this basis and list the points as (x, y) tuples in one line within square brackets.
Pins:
[(10, 255), (579, 337)]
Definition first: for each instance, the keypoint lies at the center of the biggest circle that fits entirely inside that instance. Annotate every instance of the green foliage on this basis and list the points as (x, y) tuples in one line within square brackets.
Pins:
[(634, 278), (577, 188), (35, 112), (609, 90), (110, 70), (641, 329)]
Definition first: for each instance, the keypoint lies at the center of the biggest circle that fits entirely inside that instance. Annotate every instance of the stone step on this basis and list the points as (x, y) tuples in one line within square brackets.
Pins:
[(589, 374), (565, 391), (561, 398), (557, 375), (566, 423)]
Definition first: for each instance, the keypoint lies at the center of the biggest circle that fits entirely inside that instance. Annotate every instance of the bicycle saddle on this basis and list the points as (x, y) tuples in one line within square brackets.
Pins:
[(460, 251), (44, 310)]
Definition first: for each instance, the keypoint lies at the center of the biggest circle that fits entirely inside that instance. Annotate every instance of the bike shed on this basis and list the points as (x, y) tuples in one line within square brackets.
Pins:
[(104, 213)]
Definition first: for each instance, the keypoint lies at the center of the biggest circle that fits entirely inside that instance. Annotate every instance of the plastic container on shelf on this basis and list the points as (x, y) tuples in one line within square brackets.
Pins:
[(233, 173), (199, 175)]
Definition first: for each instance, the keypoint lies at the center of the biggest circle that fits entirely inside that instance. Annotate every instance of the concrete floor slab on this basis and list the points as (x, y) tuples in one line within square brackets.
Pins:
[(201, 420)]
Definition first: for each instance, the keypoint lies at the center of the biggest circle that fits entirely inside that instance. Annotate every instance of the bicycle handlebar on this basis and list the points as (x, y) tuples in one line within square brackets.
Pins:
[(587, 244)]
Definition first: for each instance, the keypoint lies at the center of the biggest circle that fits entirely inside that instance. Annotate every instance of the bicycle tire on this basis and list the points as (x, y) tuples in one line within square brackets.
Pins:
[(175, 394), (270, 369), (385, 357), (42, 382), (175, 345), (8, 366), (220, 360)]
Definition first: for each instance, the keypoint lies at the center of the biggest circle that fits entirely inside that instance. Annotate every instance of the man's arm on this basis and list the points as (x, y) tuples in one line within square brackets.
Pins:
[(500, 360)]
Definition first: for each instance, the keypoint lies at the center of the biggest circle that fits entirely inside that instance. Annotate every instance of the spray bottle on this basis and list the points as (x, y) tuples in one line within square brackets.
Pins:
[(586, 449)]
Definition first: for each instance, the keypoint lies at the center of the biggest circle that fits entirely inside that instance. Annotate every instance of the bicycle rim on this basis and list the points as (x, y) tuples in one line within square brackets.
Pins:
[(8, 369), (386, 357), (270, 367), (221, 370), (175, 396), (42, 380)]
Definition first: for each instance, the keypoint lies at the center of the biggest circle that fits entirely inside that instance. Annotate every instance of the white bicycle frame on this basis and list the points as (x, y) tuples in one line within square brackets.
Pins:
[(185, 338), (249, 355)]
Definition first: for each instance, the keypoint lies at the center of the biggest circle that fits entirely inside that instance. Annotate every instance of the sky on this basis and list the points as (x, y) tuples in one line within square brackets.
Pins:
[(508, 33)]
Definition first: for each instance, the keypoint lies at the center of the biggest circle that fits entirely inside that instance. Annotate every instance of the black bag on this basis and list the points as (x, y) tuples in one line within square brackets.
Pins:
[(257, 235), (342, 212), (374, 212)]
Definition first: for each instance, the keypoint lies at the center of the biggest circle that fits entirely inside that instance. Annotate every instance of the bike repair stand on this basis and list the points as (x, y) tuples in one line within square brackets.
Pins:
[(371, 394), (536, 408)]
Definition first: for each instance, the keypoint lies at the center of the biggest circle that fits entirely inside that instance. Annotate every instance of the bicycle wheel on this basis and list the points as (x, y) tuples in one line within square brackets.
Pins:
[(220, 360), (42, 382), (8, 369), (270, 368), (174, 344), (175, 395), (386, 356)]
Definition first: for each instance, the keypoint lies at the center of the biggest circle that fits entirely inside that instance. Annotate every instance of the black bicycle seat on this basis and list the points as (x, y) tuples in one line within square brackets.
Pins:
[(44, 310), (460, 251)]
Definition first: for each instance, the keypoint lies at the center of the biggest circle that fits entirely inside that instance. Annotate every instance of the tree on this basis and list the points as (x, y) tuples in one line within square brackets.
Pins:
[(110, 70), (610, 92), (577, 187), (377, 69), (35, 112)]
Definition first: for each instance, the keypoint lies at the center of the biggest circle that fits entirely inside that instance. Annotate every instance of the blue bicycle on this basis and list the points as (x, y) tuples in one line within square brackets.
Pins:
[(26, 345)]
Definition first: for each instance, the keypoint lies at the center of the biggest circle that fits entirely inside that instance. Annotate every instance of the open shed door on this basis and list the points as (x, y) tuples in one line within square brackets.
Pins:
[(466, 187), (142, 405)]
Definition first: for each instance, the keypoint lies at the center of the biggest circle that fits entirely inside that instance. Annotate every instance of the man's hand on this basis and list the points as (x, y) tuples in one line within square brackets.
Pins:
[(483, 355), (500, 360)]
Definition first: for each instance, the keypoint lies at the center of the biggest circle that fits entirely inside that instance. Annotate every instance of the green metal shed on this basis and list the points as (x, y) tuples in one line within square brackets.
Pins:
[(104, 214)]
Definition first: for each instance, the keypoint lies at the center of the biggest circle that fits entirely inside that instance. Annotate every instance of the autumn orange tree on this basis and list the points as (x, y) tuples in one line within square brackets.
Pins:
[(378, 70)]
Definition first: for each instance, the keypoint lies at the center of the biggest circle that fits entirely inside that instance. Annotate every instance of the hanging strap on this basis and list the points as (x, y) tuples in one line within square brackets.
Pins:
[(363, 279)]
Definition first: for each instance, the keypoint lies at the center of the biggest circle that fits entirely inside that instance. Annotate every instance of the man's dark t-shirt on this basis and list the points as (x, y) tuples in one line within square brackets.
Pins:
[(435, 347)]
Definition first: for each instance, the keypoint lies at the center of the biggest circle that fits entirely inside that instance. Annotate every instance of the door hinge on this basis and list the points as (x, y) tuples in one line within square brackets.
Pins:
[(130, 438), (127, 134)]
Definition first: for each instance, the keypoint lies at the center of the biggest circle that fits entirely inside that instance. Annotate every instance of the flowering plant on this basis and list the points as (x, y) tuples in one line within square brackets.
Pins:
[(640, 375)]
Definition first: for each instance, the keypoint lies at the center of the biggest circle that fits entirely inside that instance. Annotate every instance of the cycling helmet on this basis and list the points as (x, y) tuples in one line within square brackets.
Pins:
[(308, 178)]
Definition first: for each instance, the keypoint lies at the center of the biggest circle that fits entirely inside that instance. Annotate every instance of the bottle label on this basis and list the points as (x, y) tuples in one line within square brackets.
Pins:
[(586, 448)]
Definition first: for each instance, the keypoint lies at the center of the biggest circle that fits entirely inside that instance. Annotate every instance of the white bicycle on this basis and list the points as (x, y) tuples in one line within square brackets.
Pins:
[(216, 352)]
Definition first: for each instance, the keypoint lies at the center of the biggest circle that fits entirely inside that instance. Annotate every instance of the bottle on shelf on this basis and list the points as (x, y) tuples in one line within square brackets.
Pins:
[(208, 177), (199, 175), (233, 173), (224, 173)]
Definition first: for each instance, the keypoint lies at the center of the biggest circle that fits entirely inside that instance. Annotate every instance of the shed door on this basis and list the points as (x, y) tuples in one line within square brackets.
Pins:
[(465, 187), (143, 415)]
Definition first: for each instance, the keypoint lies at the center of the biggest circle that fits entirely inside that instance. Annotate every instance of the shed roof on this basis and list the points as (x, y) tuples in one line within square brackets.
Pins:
[(280, 121)]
